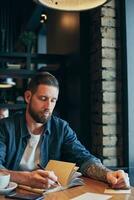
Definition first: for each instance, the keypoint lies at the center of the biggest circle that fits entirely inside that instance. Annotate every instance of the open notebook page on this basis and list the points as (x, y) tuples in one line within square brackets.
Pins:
[(63, 170)]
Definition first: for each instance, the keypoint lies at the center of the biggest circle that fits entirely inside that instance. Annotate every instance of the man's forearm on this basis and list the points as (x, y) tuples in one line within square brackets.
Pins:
[(38, 178), (18, 176), (98, 172)]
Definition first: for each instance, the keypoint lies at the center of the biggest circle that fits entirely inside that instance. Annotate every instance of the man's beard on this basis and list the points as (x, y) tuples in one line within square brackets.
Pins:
[(39, 117)]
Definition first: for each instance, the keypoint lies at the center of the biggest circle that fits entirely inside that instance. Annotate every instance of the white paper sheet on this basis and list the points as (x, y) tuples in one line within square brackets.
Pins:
[(92, 196), (112, 191)]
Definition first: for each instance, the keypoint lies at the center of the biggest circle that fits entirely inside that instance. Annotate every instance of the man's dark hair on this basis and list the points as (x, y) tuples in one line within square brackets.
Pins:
[(42, 78)]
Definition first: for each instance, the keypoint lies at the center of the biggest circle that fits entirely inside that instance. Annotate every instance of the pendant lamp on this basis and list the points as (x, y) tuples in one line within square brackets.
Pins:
[(72, 5), (6, 83)]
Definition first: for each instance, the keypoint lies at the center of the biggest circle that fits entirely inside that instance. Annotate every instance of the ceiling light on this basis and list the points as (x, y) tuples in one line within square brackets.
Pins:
[(43, 18), (6, 83), (72, 5)]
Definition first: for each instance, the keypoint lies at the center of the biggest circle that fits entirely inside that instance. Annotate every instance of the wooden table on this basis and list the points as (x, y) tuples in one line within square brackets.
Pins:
[(90, 186)]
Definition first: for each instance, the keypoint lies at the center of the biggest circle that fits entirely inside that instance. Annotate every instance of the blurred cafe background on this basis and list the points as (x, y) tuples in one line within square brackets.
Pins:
[(89, 48)]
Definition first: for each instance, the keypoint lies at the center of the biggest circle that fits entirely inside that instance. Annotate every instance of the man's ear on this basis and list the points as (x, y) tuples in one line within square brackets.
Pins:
[(27, 96)]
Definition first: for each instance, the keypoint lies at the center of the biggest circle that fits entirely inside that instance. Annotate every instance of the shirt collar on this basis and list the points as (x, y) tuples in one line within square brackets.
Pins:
[(47, 127), (24, 129)]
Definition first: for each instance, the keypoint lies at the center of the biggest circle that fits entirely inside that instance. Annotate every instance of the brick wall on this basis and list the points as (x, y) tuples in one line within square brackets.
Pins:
[(109, 114), (105, 85)]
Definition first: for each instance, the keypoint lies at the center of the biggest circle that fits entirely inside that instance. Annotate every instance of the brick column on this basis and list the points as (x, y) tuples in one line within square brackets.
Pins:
[(105, 84), (109, 82)]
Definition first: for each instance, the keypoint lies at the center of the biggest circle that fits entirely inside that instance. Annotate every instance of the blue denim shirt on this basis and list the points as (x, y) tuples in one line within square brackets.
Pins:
[(58, 142)]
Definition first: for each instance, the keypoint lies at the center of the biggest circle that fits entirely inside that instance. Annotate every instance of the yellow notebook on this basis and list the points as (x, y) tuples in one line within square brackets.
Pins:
[(63, 170), (67, 176)]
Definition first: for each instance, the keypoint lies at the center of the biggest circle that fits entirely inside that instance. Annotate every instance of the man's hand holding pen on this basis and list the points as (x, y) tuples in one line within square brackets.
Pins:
[(41, 179), (51, 179)]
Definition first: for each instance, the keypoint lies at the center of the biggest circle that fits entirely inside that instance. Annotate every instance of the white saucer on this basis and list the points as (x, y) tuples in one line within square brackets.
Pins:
[(9, 188)]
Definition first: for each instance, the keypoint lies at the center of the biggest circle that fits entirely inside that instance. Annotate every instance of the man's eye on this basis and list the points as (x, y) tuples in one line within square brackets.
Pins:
[(53, 100), (42, 98)]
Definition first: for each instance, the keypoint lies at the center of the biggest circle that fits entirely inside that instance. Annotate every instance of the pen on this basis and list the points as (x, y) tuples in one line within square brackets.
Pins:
[(41, 167)]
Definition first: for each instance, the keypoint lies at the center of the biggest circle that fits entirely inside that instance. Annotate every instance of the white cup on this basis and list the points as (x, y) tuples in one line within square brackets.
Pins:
[(4, 180)]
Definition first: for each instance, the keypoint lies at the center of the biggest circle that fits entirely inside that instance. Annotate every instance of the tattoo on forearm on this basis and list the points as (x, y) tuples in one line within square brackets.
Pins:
[(97, 171)]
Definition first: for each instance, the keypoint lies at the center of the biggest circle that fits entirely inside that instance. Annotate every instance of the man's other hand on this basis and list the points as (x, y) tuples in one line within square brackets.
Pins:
[(118, 179)]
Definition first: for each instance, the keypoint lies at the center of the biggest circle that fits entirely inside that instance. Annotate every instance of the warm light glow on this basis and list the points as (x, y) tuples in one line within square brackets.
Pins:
[(72, 5), (69, 21)]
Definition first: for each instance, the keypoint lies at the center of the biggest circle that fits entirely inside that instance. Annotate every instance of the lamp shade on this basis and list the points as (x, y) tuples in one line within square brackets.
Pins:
[(6, 82), (72, 5)]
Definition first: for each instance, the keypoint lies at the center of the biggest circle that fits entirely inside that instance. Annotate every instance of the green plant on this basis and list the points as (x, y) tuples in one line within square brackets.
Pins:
[(28, 38)]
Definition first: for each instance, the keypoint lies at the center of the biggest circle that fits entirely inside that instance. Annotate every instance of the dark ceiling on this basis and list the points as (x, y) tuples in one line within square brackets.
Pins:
[(22, 10), (16, 16)]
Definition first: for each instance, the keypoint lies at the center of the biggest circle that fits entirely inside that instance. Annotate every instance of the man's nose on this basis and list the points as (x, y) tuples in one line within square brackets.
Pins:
[(48, 104)]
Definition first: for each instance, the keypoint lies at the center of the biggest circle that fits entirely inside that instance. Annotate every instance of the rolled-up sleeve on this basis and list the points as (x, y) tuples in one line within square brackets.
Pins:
[(74, 151)]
